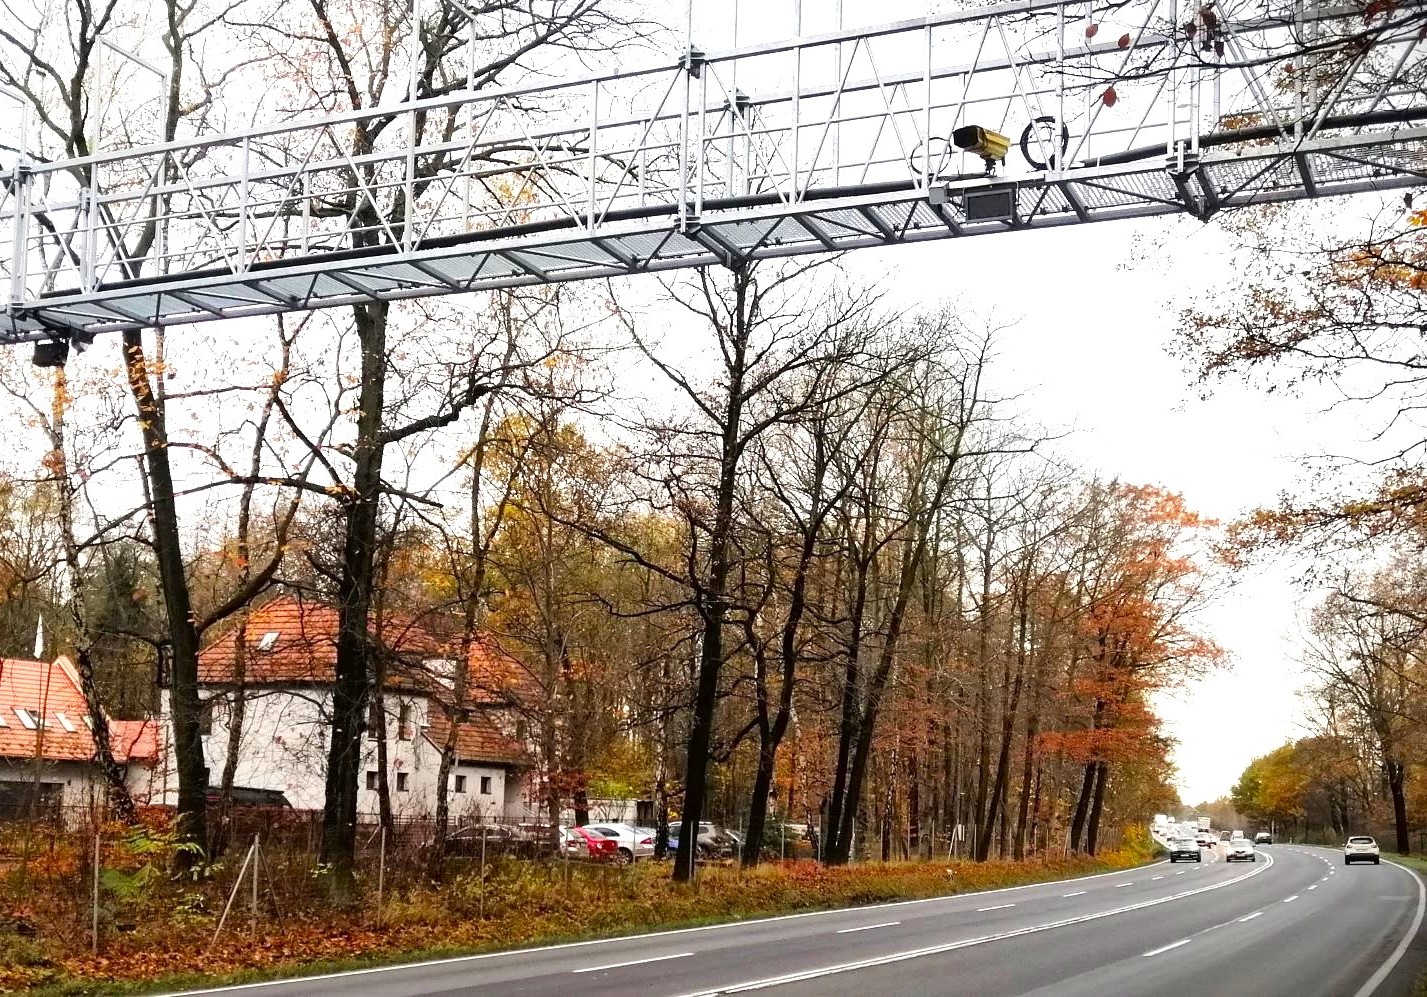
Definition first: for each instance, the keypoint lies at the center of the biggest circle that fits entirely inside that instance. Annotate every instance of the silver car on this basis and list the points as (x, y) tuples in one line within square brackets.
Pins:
[(634, 843), (1240, 850)]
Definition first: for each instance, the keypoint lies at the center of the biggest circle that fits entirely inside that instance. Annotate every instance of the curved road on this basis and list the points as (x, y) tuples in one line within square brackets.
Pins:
[(1296, 922)]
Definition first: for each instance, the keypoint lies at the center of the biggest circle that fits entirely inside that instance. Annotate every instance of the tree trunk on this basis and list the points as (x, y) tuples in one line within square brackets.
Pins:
[(1396, 779), (237, 712), (1102, 776), (378, 707), (168, 556), (354, 593), (914, 805), (118, 789), (1082, 806), (713, 605), (758, 806), (1003, 768), (848, 725)]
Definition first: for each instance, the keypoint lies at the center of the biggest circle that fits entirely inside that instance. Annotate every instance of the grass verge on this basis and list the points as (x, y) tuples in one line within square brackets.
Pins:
[(515, 905)]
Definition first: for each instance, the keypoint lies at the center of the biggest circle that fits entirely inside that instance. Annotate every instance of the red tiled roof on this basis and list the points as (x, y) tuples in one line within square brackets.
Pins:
[(477, 740), (134, 740), (52, 689), (304, 649), (497, 679)]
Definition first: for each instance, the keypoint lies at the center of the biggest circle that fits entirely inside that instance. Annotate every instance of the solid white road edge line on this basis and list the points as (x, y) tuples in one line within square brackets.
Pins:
[(1376, 979), (869, 927), (982, 910), (813, 974), (1165, 948), (509, 953), (632, 962)]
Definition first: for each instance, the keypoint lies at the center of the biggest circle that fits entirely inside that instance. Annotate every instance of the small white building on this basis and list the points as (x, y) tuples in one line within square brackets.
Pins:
[(284, 673), (46, 746)]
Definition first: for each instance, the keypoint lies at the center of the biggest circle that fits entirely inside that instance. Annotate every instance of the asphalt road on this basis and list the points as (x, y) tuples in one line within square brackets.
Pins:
[(1296, 922)]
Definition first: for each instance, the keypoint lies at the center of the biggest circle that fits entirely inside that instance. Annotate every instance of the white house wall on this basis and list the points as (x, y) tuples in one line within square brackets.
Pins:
[(81, 784), (284, 747)]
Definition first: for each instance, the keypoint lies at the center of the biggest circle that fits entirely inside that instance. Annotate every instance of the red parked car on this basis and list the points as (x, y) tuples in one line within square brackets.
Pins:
[(582, 843)]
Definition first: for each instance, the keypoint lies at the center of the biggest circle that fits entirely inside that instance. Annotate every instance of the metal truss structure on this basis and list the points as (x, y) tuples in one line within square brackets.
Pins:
[(816, 144)]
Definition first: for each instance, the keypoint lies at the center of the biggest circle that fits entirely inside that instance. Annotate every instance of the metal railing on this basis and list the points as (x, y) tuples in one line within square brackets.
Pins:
[(810, 145)]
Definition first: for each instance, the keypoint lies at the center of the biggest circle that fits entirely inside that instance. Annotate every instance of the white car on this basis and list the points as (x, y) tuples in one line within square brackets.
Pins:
[(1240, 850), (1361, 848), (633, 842)]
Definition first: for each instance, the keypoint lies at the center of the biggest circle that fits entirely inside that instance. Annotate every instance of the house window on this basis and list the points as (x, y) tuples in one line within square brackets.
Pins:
[(372, 781), (405, 731), (485, 785), (401, 782), (460, 784)]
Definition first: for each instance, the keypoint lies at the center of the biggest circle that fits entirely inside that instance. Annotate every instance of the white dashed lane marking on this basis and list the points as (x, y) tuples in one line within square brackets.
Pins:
[(1291, 899), (632, 962), (869, 927), (1077, 893), (1257, 913), (982, 910), (1166, 948)]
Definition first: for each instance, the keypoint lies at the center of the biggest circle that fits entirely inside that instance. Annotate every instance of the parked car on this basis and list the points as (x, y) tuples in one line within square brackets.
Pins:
[(1240, 850), (717, 841), (631, 843), (582, 843), (468, 840), (1186, 849), (1263, 838), (1361, 848)]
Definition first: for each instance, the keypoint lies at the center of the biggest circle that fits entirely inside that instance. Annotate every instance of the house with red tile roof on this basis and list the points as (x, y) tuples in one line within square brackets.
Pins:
[(47, 745), (280, 666)]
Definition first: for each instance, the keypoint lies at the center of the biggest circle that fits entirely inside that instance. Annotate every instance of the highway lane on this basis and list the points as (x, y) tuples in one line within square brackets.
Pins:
[(1293, 923)]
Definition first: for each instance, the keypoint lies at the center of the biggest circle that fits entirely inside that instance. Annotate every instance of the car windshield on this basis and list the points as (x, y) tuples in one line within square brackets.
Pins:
[(1186, 843)]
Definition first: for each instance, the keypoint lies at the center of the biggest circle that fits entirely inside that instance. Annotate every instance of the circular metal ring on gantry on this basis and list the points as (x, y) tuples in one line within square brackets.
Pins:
[(1054, 158)]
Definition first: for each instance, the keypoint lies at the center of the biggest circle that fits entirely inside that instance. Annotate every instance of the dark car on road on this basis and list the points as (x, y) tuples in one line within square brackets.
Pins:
[(1186, 849)]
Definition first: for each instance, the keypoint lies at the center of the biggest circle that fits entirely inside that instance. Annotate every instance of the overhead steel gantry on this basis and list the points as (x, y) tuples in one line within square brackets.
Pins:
[(812, 145)]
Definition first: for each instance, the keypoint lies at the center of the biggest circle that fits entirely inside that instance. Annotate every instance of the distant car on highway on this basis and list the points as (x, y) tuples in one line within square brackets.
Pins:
[(1263, 838), (1361, 848), (1205, 839), (1186, 849), (1240, 850)]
